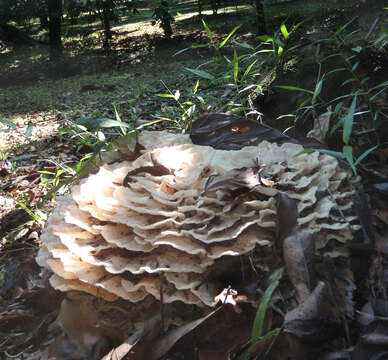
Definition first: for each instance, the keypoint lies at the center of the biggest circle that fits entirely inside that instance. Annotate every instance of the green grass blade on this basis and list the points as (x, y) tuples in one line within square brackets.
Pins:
[(336, 154), (295, 88), (235, 67), (284, 31), (248, 70), (29, 129), (32, 215), (348, 122), (9, 123), (343, 27), (208, 31), (365, 154), (257, 330), (118, 118), (265, 38), (229, 36), (317, 91), (181, 51), (166, 95), (201, 73), (348, 152)]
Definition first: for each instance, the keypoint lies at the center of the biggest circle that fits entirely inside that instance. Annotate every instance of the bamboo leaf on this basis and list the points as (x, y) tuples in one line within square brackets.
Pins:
[(257, 330), (348, 152), (343, 27), (29, 129), (265, 38), (166, 96), (244, 45), (348, 122), (208, 31), (201, 73), (284, 31), (317, 91), (235, 67), (8, 123), (229, 36), (295, 88), (365, 154), (336, 154), (247, 71)]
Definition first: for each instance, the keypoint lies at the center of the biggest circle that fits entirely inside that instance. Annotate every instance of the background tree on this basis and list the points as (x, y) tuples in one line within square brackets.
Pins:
[(260, 17), (55, 21), (162, 15), (19, 12)]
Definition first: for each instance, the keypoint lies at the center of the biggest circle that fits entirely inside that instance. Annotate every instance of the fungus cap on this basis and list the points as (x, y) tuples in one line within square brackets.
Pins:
[(164, 233)]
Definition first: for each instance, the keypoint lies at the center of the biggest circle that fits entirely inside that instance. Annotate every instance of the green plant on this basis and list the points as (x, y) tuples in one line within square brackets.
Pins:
[(236, 74), (258, 324), (181, 116), (355, 114), (211, 44)]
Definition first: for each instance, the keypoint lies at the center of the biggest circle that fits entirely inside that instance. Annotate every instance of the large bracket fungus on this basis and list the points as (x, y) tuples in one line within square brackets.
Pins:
[(156, 225)]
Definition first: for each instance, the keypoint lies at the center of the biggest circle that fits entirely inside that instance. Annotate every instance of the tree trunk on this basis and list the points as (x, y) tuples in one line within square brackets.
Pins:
[(55, 19), (106, 23), (260, 17), (199, 2)]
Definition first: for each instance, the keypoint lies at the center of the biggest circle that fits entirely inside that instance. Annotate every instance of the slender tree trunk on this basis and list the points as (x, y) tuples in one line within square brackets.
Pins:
[(199, 2), (106, 23), (260, 17), (214, 6), (55, 20)]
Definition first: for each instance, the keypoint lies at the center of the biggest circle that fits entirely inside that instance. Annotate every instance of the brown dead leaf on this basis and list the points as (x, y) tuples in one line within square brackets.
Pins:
[(382, 215), (311, 322), (298, 253), (164, 344), (236, 179), (12, 220), (287, 215), (220, 334), (156, 170), (139, 345), (321, 126), (298, 247), (382, 188), (79, 320), (231, 132), (373, 344)]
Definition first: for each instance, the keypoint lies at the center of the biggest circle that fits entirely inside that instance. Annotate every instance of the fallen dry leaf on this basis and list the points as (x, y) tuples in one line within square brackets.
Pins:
[(298, 254), (231, 132), (287, 215), (139, 345), (321, 126), (311, 321), (237, 179)]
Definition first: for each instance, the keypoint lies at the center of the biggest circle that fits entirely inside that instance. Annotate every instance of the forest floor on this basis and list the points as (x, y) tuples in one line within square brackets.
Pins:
[(53, 118)]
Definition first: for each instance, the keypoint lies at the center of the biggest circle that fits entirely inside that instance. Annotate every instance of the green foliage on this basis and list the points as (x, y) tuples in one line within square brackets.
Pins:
[(277, 45), (355, 115), (181, 116), (211, 44), (21, 11), (257, 330)]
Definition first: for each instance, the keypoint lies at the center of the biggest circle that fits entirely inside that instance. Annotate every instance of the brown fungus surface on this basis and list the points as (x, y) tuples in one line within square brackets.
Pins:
[(164, 233)]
